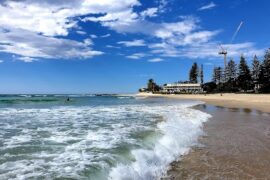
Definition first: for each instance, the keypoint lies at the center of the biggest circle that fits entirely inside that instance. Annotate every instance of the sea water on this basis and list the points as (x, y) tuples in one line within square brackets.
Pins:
[(94, 137)]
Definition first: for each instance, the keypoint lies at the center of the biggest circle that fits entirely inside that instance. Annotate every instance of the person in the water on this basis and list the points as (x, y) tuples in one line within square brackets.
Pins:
[(68, 99)]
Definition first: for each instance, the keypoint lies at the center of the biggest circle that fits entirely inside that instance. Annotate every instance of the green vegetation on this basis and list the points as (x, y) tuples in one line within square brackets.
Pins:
[(234, 78), (242, 79), (264, 75), (201, 74), (151, 86), (194, 73)]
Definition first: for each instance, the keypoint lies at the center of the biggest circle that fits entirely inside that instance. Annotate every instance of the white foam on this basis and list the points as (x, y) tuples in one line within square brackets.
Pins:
[(17, 140), (24, 95), (75, 131), (125, 97), (181, 130)]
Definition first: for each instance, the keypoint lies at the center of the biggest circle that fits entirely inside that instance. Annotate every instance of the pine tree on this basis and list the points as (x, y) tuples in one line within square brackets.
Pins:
[(217, 77), (264, 77), (231, 71), (201, 74), (244, 77), (255, 70), (214, 76), (231, 76), (193, 73), (151, 85)]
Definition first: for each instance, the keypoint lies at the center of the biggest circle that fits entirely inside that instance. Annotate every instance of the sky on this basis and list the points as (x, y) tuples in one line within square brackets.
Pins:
[(115, 46)]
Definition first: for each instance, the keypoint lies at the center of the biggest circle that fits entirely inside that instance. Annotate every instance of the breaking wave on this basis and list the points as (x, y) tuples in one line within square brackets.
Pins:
[(180, 130), (104, 142)]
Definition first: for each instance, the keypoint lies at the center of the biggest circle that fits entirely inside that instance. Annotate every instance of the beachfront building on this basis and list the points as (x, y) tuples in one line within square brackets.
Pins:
[(175, 88)]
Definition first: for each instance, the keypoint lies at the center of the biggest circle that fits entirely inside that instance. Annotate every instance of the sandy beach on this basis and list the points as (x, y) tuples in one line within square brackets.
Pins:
[(236, 143), (259, 102)]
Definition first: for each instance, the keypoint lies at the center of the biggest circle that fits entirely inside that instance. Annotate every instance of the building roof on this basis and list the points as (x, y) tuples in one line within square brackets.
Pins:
[(183, 85)]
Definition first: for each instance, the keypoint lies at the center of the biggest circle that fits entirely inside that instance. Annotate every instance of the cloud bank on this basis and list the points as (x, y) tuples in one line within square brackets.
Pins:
[(33, 29)]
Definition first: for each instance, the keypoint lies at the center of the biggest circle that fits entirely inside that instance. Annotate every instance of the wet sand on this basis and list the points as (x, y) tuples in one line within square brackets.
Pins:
[(236, 145)]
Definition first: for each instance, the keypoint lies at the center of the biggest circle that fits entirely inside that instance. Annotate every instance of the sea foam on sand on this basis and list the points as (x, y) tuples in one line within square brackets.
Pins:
[(181, 129)]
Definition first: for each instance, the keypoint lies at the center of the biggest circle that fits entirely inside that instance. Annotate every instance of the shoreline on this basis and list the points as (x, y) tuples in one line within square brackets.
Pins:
[(236, 140), (235, 145), (260, 102)]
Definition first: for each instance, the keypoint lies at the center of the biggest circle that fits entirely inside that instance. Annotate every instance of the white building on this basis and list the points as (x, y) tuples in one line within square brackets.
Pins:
[(182, 88)]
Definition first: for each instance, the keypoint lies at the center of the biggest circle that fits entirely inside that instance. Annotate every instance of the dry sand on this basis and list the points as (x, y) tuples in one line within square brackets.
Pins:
[(250, 101)]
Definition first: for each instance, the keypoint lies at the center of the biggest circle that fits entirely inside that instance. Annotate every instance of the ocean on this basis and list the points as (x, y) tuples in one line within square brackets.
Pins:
[(94, 137)]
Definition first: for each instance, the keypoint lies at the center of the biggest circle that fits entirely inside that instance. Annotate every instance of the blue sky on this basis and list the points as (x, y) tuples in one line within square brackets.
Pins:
[(115, 46)]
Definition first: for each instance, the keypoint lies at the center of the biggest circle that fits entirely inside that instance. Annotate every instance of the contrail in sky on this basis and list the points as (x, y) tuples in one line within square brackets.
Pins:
[(237, 30)]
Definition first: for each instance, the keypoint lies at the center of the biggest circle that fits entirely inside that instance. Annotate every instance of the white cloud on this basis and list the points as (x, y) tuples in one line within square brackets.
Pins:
[(136, 56), (211, 5), (122, 21), (150, 12), (247, 49), (110, 46), (123, 16), (155, 60), (1, 61), (81, 32), (33, 28), (172, 37), (134, 43), (193, 38), (88, 42), (38, 29), (56, 17), (184, 32), (105, 36), (131, 22), (180, 29), (34, 17), (28, 44), (205, 50), (181, 33), (27, 59), (93, 36), (184, 38), (162, 5)]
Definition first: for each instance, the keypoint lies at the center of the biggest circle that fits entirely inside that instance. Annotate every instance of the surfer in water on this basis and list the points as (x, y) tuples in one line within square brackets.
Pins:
[(67, 99)]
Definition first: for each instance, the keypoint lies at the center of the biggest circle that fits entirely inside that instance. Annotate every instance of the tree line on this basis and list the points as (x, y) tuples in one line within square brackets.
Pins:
[(241, 77), (233, 78)]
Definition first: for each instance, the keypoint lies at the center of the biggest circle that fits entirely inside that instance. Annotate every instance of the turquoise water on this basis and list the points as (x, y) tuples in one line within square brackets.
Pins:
[(94, 137)]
